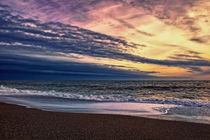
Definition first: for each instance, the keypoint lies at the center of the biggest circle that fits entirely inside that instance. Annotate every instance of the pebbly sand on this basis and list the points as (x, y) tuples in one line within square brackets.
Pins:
[(21, 123)]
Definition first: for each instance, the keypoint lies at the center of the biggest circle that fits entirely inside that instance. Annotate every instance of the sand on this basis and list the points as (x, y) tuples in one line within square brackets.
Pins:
[(20, 123)]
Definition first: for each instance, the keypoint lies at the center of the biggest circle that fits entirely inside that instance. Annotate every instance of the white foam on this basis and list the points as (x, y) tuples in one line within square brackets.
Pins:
[(104, 98), (123, 108), (108, 104)]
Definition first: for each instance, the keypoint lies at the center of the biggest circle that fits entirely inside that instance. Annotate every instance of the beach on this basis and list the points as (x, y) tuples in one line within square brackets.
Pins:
[(21, 123), (104, 70)]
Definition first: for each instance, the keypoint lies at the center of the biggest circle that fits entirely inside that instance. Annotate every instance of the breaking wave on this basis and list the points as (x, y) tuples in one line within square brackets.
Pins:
[(6, 91)]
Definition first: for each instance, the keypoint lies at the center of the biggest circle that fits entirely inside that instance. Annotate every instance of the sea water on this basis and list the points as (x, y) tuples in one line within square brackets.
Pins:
[(166, 99)]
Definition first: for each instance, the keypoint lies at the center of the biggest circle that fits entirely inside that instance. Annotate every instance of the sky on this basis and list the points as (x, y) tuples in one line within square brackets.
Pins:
[(100, 39)]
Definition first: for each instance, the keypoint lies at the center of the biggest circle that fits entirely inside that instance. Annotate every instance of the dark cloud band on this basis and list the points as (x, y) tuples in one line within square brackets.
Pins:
[(58, 37)]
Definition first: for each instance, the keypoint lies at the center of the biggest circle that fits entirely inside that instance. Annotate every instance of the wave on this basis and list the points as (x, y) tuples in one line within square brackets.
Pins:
[(102, 98)]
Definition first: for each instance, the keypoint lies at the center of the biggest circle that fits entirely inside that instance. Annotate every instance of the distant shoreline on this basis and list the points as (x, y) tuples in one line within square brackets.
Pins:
[(17, 122)]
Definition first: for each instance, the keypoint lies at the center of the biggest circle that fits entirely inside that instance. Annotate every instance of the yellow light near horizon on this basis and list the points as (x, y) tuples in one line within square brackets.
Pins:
[(182, 32), (191, 14)]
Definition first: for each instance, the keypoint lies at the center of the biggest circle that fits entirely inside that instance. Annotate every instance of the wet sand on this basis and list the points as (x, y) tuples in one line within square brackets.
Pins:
[(20, 123)]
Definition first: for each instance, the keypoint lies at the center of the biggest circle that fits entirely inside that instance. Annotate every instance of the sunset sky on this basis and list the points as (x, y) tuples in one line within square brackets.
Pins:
[(105, 39)]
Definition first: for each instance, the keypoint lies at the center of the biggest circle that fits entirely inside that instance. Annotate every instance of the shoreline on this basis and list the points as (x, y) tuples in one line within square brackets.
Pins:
[(142, 111), (18, 122)]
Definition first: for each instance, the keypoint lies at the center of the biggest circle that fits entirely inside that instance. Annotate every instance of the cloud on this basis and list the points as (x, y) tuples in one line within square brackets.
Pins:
[(32, 36), (32, 50), (132, 27), (186, 56), (202, 40), (80, 10), (29, 39), (198, 40), (189, 15), (28, 68), (204, 74), (195, 69)]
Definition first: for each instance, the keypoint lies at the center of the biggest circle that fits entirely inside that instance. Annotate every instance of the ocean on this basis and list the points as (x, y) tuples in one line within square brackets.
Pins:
[(160, 99)]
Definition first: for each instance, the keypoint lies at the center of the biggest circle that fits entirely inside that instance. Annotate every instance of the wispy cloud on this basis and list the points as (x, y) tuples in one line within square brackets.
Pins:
[(132, 27), (57, 37), (129, 20), (203, 39)]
